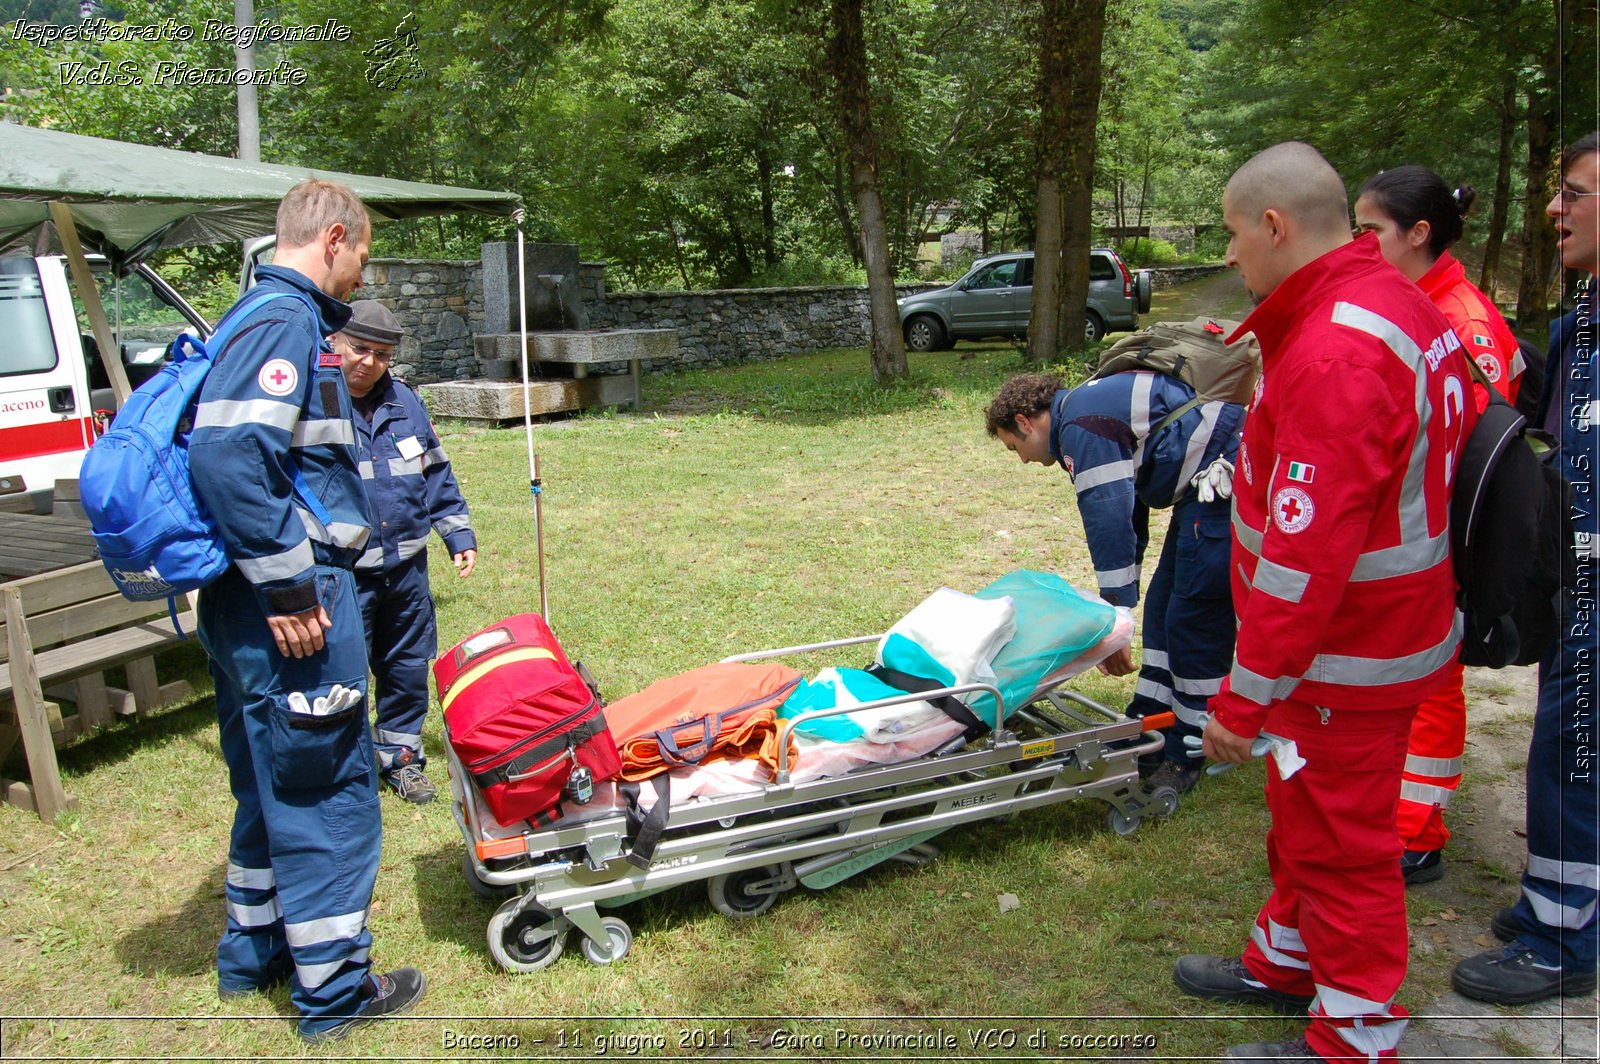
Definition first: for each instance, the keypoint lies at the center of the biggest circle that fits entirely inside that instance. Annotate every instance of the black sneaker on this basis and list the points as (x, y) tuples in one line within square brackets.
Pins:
[(1227, 979), (1297, 1049), (386, 996), (1503, 924), (411, 784), (1421, 866), (1180, 778), (1515, 975)]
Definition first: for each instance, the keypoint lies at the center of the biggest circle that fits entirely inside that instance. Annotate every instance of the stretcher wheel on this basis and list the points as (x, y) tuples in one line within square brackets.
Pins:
[(526, 940), (478, 886), (1163, 801), (731, 895), (621, 941), (1122, 823)]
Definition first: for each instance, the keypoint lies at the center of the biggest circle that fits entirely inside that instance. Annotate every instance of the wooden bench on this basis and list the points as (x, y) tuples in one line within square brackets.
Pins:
[(61, 630)]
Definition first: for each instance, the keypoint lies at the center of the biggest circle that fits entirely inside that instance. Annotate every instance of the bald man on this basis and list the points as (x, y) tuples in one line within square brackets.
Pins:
[(1345, 597)]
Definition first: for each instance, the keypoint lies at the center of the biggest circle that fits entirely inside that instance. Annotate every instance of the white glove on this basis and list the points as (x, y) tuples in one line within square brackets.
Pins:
[(1215, 481), (1283, 751)]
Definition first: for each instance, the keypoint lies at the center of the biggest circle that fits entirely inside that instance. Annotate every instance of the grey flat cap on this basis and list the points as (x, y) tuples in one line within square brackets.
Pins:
[(372, 321)]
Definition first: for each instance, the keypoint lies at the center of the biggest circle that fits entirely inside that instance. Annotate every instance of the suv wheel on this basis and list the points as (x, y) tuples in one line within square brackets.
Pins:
[(1093, 327), (924, 333)]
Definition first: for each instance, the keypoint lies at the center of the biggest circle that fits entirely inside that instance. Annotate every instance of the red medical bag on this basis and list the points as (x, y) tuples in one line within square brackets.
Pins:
[(522, 720)]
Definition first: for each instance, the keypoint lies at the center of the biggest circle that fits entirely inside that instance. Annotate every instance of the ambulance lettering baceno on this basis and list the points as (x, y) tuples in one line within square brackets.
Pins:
[(55, 393)]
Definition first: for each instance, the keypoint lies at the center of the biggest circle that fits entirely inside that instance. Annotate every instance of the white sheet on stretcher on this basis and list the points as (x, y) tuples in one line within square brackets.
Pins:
[(915, 735)]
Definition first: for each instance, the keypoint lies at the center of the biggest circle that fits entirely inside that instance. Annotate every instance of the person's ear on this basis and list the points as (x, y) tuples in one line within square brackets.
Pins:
[(1419, 234), (1272, 221), (333, 237)]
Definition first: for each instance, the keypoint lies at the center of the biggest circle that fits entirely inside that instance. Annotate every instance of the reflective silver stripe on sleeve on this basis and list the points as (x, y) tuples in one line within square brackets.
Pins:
[(291, 563), (1437, 767), (1248, 538), (1425, 794), (1567, 873), (434, 456), (312, 976), (1557, 915), (1404, 559), (1117, 577), (1280, 581), (225, 413), (264, 915), (405, 467), (1139, 410), (1259, 689), (323, 431), (1199, 440), (1349, 671), (372, 559), (326, 929), (365, 469), (344, 534), (1103, 474), (410, 548), (250, 878), (454, 523)]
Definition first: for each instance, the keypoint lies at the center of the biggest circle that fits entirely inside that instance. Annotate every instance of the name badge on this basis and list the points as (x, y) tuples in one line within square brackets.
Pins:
[(329, 360), (409, 447)]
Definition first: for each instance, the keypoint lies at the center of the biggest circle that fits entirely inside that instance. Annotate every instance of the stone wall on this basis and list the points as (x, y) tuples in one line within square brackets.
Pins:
[(440, 306)]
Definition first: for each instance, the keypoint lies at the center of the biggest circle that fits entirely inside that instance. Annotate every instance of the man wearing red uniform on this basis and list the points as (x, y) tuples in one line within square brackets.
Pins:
[(1345, 595)]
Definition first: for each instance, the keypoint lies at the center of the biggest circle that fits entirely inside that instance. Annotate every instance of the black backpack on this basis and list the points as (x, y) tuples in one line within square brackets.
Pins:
[(1510, 527)]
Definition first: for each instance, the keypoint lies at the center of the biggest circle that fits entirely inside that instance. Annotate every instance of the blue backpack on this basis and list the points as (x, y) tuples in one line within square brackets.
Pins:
[(155, 536)]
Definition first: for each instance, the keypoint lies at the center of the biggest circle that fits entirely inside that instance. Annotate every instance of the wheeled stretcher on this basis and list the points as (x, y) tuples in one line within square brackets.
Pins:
[(755, 842)]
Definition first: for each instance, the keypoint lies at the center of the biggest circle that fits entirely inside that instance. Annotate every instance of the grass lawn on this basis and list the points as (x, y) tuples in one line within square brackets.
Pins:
[(759, 506)]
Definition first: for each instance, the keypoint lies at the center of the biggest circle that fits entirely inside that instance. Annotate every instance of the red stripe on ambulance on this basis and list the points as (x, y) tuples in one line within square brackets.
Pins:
[(52, 437)]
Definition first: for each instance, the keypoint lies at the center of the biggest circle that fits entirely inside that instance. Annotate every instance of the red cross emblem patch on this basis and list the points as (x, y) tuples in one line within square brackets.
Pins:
[(1292, 510), (278, 377)]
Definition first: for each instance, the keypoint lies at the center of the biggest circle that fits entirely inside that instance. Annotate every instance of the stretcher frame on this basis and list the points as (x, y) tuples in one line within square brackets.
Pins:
[(752, 847)]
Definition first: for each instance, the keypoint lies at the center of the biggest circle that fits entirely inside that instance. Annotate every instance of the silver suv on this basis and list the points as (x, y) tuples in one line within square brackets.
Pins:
[(995, 298)]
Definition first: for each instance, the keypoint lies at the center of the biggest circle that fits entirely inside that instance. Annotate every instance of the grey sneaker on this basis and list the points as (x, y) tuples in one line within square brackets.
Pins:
[(1180, 778), (383, 997), (412, 785)]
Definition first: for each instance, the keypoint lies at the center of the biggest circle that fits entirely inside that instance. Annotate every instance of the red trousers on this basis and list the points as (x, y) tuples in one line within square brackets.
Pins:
[(1433, 765), (1335, 925)]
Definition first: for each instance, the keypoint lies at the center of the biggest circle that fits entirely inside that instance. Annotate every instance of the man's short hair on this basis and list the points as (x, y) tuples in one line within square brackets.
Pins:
[(1293, 177), (1030, 394), (1584, 145), (312, 206)]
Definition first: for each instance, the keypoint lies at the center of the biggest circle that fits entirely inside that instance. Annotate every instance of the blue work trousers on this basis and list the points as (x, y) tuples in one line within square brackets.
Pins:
[(1556, 913), (1188, 622), (402, 638), (306, 832)]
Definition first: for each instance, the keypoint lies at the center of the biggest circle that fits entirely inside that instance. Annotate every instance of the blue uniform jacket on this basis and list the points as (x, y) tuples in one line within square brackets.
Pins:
[(1569, 377), (276, 398), (408, 480), (1100, 433)]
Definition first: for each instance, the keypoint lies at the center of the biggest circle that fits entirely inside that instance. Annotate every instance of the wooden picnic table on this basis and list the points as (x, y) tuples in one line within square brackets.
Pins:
[(37, 543)]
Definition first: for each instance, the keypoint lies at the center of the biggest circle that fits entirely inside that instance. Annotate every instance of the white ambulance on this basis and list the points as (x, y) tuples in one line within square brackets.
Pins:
[(55, 392)]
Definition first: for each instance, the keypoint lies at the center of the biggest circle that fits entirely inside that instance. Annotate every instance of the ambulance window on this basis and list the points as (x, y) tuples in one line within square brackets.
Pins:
[(29, 346), (147, 318)]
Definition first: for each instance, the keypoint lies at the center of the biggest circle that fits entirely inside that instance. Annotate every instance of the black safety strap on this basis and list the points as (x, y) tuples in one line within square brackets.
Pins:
[(950, 705), (647, 826)]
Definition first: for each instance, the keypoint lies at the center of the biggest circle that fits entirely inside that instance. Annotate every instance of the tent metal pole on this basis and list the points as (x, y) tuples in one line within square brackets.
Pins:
[(535, 486)]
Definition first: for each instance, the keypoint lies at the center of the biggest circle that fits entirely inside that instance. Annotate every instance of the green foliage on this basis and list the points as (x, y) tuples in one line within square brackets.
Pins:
[(1145, 251)]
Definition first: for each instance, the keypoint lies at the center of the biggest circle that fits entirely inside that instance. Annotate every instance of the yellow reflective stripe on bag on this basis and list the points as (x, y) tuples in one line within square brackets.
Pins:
[(479, 671)]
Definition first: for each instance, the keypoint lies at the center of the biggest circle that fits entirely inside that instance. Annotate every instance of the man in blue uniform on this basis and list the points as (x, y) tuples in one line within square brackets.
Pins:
[(273, 459), (1126, 454), (412, 491), (1552, 930)]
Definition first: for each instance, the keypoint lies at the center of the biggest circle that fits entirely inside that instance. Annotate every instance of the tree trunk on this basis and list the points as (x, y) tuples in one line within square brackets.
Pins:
[(1042, 322), (847, 58), (1538, 238), (1086, 33), (1502, 182)]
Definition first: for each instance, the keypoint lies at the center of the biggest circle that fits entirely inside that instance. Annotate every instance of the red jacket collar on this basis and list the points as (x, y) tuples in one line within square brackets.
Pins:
[(1442, 275), (1308, 286)]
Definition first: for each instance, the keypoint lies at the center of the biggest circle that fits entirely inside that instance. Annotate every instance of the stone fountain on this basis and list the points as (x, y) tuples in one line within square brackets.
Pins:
[(565, 357)]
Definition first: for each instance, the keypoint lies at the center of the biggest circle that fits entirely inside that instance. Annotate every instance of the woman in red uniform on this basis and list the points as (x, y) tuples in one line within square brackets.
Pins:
[(1417, 217)]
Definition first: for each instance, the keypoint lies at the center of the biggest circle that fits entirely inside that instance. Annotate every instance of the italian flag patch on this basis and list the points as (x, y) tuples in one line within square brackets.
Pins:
[(1299, 471), (1482, 341)]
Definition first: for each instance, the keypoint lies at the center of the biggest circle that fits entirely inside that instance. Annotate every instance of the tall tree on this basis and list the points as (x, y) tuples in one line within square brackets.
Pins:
[(1068, 92), (846, 54)]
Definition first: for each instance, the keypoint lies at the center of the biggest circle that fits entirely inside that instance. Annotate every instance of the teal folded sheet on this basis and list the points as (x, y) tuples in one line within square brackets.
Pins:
[(1055, 624)]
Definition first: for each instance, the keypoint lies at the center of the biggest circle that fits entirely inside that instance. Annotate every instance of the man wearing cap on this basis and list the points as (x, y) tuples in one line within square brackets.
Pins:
[(411, 489)]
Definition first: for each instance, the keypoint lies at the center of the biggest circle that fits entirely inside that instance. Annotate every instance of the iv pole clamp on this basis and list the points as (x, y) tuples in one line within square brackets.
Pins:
[(535, 485)]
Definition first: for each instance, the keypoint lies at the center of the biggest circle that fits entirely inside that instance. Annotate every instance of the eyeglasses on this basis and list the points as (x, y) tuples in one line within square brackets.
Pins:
[(363, 351), (1569, 195)]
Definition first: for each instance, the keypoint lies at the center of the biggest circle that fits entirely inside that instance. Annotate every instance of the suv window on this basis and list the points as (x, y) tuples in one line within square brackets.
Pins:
[(1101, 268), (1000, 275), (1025, 273), (30, 346)]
